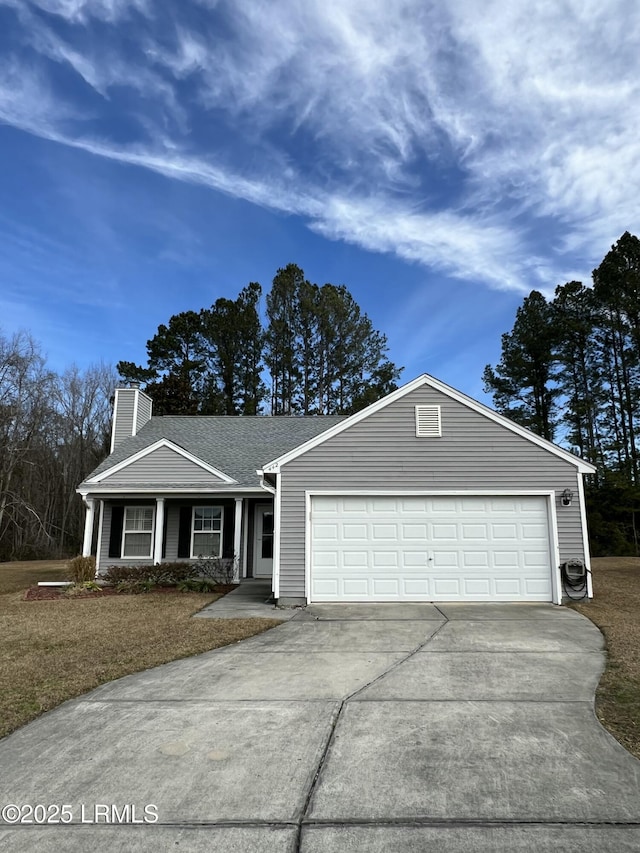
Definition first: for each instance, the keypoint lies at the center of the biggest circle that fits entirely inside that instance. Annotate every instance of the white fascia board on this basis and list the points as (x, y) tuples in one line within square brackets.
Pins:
[(131, 491), (163, 442), (425, 379)]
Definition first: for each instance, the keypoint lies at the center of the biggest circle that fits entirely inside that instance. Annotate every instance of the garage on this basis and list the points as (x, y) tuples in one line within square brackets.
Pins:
[(430, 548)]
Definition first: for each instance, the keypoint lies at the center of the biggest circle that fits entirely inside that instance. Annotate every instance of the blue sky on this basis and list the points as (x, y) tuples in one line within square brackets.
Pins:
[(441, 160)]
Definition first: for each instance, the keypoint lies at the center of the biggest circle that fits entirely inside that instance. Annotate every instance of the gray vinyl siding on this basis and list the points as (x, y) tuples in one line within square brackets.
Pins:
[(173, 525), (163, 465), (144, 410), (382, 453), (123, 415)]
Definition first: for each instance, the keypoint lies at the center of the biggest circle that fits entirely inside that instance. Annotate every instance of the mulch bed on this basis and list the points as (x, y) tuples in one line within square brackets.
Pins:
[(57, 593)]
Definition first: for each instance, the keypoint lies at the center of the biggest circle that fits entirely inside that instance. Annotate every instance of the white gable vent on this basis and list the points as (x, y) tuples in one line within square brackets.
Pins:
[(428, 422)]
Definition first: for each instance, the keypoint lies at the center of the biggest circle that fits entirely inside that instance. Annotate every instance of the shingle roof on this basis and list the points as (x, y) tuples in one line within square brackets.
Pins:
[(236, 446)]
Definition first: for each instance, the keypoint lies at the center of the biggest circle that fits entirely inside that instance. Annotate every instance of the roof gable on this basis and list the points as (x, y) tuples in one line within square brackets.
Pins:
[(157, 453), (275, 465), (234, 447)]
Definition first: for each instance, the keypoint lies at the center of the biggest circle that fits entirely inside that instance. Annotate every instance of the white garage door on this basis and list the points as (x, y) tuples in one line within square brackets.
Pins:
[(430, 549)]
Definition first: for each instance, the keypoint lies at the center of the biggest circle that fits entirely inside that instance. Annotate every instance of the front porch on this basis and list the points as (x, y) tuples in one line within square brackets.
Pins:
[(136, 529)]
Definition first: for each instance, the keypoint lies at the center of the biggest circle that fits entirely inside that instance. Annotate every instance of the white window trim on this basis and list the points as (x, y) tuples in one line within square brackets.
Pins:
[(125, 531), (195, 556)]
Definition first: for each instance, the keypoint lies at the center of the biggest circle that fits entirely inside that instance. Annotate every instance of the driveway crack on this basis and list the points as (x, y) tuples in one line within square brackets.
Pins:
[(336, 719)]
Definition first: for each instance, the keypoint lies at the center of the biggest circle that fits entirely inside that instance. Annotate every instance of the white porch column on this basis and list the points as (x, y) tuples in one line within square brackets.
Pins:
[(88, 527), (237, 541), (159, 537)]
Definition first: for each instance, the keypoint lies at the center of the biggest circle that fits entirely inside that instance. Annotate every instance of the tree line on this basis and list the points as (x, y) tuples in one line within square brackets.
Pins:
[(54, 430), (316, 354), (570, 371)]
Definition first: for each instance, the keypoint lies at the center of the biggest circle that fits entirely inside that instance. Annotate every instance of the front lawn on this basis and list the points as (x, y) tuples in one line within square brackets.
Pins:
[(51, 651), (615, 609)]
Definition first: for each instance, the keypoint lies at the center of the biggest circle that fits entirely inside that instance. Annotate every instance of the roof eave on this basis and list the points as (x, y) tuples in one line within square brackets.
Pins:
[(275, 465)]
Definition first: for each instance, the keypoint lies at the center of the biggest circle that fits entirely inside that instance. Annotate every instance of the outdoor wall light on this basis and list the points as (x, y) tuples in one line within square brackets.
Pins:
[(567, 497)]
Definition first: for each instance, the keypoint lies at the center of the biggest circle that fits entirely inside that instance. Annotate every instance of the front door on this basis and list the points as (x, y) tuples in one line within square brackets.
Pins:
[(263, 542)]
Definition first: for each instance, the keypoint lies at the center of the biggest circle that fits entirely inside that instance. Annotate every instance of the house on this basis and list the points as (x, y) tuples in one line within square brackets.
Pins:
[(426, 495)]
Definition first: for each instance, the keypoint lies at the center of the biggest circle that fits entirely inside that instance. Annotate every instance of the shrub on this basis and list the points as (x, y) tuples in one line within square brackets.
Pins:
[(174, 573), (135, 587), (217, 569), (82, 589), (164, 574), (197, 585), (81, 569)]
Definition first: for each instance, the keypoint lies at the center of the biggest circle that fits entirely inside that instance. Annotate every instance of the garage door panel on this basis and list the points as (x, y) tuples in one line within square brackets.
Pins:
[(384, 505), (414, 560), (355, 532), (445, 560), (473, 505), (415, 531), (355, 559), (355, 507), (418, 588), (504, 506), (533, 531), (534, 559), (327, 505), (385, 559), (429, 548), (384, 531), (444, 533), (327, 559), (477, 587), (328, 532), (449, 587), (505, 559), (386, 587), (478, 532), (504, 531), (327, 587), (508, 586), (475, 559), (356, 587), (534, 587), (417, 506)]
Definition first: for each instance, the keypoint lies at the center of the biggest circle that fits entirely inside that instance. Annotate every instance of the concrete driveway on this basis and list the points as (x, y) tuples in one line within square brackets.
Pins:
[(348, 728)]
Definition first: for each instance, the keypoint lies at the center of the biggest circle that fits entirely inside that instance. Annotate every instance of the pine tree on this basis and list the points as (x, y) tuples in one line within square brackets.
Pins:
[(234, 338), (522, 382), (281, 352)]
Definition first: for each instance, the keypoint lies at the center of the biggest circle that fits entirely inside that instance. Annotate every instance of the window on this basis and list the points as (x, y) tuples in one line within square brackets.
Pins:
[(428, 422), (206, 531), (137, 532)]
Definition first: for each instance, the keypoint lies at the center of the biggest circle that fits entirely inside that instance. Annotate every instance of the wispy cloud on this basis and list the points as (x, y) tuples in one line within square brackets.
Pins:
[(79, 11), (359, 111)]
